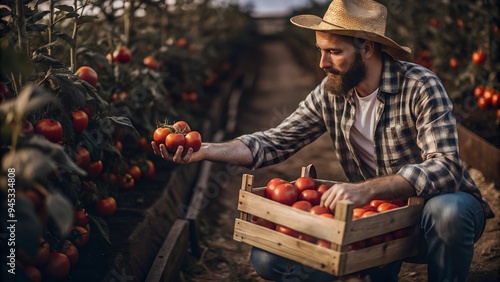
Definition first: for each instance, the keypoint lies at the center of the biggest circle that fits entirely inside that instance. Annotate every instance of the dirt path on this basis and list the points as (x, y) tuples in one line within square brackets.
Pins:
[(281, 84)]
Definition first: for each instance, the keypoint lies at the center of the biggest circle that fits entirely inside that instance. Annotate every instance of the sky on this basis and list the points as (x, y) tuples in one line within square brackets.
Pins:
[(266, 7)]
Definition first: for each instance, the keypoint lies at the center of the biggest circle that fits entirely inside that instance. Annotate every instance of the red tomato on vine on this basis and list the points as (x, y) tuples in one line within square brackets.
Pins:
[(193, 140), (80, 120), (106, 206), (182, 127), (174, 140), (160, 134), (50, 129)]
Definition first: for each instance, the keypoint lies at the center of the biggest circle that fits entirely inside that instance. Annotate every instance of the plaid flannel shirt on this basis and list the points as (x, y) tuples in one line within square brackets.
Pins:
[(415, 134)]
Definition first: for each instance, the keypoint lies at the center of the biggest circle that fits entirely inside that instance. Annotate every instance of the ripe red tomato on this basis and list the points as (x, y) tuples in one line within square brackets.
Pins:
[(160, 134), (375, 240), (81, 217), (304, 183), (94, 169), (174, 140), (386, 206), (482, 103), (150, 62), (324, 243), (82, 157), (87, 74), (488, 94), (311, 196), (33, 273), (151, 169), (319, 210), (357, 245), (302, 205), (478, 91), (453, 63), (388, 237), (80, 236), (327, 215), (287, 231), (322, 189), (122, 55), (376, 203), (285, 193), (478, 57), (127, 182), (495, 100), (368, 213), (357, 212), (182, 127), (27, 127), (42, 255), (263, 222), (106, 206), (70, 251), (57, 267), (307, 238), (50, 129), (193, 140), (135, 172), (80, 120), (272, 184), (400, 233)]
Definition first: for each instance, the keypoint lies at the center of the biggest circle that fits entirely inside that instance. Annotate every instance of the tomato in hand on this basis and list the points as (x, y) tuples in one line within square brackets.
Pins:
[(272, 184), (182, 127), (106, 206), (80, 120), (285, 193), (57, 267), (304, 183), (122, 55), (193, 140), (50, 129), (87, 74), (160, 134), (174, 140)]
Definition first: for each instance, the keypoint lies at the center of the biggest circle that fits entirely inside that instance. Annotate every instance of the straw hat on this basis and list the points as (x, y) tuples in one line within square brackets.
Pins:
[(364, 19)]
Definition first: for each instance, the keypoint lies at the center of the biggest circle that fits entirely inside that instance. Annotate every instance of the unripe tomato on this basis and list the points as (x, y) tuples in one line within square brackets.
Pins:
[(122, 55), (57, 267), (106, 206), (88, 74), (193, 140), (80, 120), (50, 129)]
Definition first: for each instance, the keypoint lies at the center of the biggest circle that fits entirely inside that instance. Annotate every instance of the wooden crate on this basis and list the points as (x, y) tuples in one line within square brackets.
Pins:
[(341, 231)]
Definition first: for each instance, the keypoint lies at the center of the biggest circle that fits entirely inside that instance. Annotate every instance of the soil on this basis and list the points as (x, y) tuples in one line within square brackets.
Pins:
[(280, 85)]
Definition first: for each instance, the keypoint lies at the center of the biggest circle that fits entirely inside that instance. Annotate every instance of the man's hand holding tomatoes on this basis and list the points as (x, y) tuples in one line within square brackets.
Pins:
[(179, 156), (387, 187)]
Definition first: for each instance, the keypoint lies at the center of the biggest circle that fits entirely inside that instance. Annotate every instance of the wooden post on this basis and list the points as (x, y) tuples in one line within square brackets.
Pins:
[(246, 185)]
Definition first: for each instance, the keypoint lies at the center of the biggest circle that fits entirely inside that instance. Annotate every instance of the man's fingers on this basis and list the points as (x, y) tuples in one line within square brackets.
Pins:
[(156, 150), (178, 155)]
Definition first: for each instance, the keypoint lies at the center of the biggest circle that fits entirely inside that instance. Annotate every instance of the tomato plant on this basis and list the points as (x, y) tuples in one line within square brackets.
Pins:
[(80, 120), (106, 206), (57, 267), (81, 217), (87, 74), (50, 129), (193, 140), (285, 193), (174, 140), (82, 157), (304, 183), (272, 184), (160, 134), (122, 55)]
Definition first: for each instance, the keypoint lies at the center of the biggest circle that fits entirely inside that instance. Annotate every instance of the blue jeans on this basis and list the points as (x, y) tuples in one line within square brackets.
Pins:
[(451, 224)]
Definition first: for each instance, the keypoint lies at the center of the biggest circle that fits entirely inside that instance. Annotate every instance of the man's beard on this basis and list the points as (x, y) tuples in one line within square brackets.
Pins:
[(339, 83)]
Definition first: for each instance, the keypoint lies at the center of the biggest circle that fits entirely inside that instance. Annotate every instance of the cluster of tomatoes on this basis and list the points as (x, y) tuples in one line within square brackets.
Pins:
[(487, 98), (305, 194), (178, 134)]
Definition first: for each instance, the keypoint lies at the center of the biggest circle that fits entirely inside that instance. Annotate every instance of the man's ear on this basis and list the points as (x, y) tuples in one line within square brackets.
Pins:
[(368, 48)]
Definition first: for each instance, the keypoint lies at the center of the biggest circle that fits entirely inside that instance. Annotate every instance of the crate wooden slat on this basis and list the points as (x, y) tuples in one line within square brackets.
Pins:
[(341, 231)]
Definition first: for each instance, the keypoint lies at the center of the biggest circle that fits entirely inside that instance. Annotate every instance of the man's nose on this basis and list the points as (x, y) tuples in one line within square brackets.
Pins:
[(324, 61)]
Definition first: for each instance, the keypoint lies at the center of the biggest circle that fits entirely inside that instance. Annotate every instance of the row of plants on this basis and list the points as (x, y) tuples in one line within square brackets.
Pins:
[(83, 87), (458, 40)]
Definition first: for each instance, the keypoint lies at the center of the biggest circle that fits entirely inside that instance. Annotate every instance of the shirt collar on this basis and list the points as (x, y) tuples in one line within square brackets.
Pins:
[(389, 80)]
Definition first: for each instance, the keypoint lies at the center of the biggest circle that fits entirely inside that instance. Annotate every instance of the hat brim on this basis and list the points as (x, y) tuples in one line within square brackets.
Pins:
[(316, 23)]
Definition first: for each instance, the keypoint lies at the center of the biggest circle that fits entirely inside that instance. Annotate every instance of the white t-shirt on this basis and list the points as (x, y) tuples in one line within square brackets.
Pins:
[(363, 129)]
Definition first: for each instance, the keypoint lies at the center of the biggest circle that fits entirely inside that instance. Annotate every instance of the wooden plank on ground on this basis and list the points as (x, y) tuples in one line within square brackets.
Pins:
[(171, 254)]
